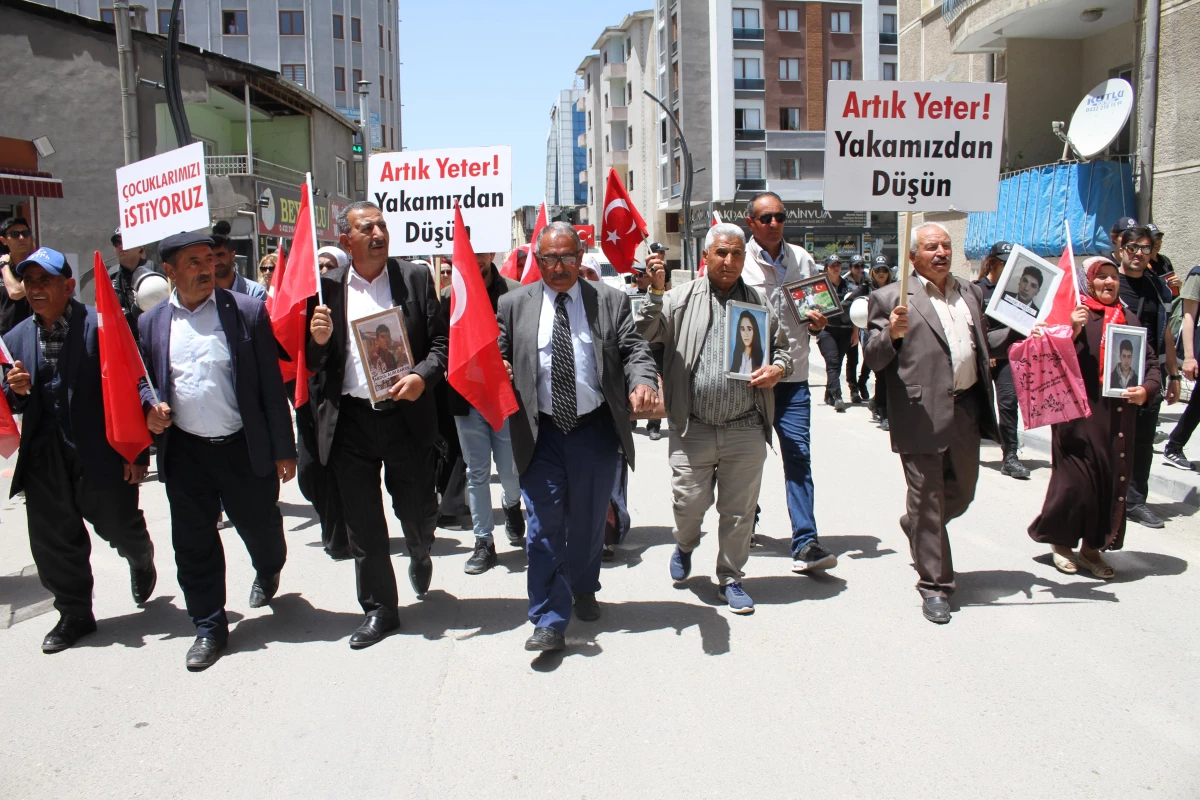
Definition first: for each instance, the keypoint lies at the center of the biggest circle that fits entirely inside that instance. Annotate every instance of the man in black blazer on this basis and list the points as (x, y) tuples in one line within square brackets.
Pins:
[(355, 437), (224, 431), (65, 465), (577, 365)]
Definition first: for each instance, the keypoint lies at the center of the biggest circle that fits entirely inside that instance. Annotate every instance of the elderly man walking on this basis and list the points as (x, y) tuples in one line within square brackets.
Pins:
[(719, 426), (577, 365), (934, 353)]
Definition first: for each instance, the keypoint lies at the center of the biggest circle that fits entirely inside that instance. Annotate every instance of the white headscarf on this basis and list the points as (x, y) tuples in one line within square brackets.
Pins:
[(338, 253)]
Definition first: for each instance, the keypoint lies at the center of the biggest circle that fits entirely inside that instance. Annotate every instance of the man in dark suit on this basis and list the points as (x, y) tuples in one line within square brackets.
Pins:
[(357, 438), (224, 433), (933, 350), (577, 364), (65, 465)]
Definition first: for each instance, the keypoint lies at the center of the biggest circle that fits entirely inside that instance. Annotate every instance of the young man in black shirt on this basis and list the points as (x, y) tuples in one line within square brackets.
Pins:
[(1147, 296), (17, 239)]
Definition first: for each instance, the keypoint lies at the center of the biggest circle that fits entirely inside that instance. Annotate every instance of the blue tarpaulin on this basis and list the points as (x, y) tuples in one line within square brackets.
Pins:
[(1032, 205)]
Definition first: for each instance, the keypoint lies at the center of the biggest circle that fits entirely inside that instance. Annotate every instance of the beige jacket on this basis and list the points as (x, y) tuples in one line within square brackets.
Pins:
[(760, 274)]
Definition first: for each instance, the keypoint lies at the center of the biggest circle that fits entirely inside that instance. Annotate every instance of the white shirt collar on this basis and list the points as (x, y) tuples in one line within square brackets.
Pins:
[(354, 275), (951, 284), (552, 294), (212, 298)]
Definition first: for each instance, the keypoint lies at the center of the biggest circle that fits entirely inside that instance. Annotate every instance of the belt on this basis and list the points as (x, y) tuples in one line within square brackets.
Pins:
[(594, 415), (233, 437), (367, 405)]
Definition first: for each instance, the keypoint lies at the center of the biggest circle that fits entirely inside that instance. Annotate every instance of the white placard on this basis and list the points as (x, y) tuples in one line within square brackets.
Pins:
[(418, 189), (163, 195), (1025, 292), (913, 146)]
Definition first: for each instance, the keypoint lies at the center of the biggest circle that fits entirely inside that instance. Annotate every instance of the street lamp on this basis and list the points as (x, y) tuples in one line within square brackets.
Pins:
[(686, 203), (364, 120)]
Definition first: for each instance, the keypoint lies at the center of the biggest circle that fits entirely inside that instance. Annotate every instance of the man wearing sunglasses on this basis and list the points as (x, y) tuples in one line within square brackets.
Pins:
[(17, 237), (770, 264)]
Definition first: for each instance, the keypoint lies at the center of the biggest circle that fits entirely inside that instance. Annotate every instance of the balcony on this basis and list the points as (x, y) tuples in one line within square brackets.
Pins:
[(789, 141), (613, 70), (676, 189), (888, 38), (748, 34), (619, 157), (581, 140), (749, 185), (985, 26), (616, 114), (749, 84), (217, 166), (674, 47), (583, 176), (749, 135), (581, 104)]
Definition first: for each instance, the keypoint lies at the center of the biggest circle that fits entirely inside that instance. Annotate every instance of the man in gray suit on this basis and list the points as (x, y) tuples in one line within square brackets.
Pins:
[(577, 364), (939, 401)]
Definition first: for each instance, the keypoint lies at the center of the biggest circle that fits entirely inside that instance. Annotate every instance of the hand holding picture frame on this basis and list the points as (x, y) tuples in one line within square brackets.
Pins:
[(1025, 292), (812, 294), (383, 347), (747, 339), (1124, 364)]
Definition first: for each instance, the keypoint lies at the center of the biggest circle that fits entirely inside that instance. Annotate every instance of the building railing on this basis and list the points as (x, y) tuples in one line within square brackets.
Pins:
[(749, 84), (953, 9), (751, 184), (888, 38), (749, 135), (216, 166), (676, 189), (749, 34)]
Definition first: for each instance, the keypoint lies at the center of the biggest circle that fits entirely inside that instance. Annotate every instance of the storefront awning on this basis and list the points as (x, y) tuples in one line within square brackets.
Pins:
[(21, 183)]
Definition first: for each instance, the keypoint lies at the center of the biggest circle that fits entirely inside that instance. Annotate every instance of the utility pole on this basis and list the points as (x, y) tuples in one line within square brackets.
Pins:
[(364, 116), (125, 66)]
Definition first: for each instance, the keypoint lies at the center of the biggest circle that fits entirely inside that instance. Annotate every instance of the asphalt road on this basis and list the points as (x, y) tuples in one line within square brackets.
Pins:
[(1043, 685)]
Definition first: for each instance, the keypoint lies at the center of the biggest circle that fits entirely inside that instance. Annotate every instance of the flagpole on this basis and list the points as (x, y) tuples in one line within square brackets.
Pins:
[(312, 218), (8, 357), (1071, 250)]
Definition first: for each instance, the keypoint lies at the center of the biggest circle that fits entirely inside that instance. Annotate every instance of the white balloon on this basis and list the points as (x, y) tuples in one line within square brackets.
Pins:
[(858, 313), (152, 289)]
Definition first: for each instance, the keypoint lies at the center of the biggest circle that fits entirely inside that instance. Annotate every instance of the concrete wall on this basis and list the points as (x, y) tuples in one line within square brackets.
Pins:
[(1044, 76)]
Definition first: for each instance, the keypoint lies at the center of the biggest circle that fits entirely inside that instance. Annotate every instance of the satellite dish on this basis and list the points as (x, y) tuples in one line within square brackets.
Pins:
[(1100, 117)]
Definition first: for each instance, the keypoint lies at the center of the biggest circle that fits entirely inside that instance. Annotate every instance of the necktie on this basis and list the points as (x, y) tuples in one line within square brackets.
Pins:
[(562, 369)]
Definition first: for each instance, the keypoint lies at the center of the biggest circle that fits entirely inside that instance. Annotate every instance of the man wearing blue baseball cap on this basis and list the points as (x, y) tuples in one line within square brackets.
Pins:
[(65, 465)]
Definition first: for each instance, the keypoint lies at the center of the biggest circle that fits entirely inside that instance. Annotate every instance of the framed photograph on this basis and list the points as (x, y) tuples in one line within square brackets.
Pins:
[(747, 342), (815, 294), (1124, 358), (1025, 291), (383, 348), (636, 301)]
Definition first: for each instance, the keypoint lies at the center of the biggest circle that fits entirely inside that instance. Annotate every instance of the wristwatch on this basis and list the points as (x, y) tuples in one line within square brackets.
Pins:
[(1174, 378)]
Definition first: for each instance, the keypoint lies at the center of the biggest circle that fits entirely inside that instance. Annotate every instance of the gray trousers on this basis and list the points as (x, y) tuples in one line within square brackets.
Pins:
[(941, 487), (736, 456)]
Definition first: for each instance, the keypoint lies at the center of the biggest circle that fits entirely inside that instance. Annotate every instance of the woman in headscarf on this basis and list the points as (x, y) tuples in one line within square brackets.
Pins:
[(1092, 458), (331, 258)]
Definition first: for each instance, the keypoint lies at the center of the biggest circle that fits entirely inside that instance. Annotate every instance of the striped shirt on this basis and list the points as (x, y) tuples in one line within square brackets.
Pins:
[(717, 400), (52, 340)]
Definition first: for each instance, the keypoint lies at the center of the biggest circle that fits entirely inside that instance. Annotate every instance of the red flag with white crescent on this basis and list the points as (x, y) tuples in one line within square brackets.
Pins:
[(622, 228)]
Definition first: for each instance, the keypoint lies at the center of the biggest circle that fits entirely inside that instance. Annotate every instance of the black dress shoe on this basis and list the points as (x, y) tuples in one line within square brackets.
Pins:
[(545, 640), (67, 632), (514, 526), (420, 573), (936, 609), (586, 607), (263, 589), (203, 653), (142, 581), (376, 627), (338, 553)]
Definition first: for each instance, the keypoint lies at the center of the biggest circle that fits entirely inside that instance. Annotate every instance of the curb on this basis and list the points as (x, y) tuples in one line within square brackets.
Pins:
[(11, 614)]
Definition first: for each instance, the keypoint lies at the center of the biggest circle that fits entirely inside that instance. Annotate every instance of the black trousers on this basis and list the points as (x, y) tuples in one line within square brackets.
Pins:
[(317, 483), (1187, 423), (59, 496), (201, 478), (365, 441), (1006, 403), (1143, 453), (835, 346), (881, 401)]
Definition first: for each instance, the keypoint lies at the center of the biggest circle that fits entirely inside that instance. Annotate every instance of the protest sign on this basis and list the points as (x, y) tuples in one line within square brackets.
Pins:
[(418, 190), (162, 195), (913, 146)]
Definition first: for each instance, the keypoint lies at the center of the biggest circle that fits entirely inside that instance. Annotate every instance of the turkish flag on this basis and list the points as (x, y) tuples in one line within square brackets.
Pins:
[(476, 370), (288, 298), (532, 274), (1067, 297), (121, 369), (587, 234), (10, 435), (622, 228)]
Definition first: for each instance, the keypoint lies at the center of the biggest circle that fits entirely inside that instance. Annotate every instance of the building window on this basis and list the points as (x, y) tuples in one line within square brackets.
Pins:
[(587, 81), (607, 149), (839, 22), (789, 20), (382, 87), (343, 177), (355, 29), (357, 75), (604, 58), (889, 71), (339, 79), (606, 101), (589, 156), (747, 169), (293, 72), (789, 69), (389, 41), (339, 26), (629, 180), (889, 23), (629, 54), (107, 15), (745, 18), (390, 97), (164, 21), (789, 169), (233, 23), (839, 71), (747, 74), (789, 119), (747, 119), (589, 120), (380, 37), (291, 23)]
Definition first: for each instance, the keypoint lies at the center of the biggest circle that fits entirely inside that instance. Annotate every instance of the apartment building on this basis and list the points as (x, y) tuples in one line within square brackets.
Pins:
[(620, 122), (325, 46), (1051, 53), (566, 152)]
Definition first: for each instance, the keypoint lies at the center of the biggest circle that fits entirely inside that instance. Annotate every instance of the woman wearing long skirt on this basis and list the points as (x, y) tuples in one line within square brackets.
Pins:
[(1092, 458)]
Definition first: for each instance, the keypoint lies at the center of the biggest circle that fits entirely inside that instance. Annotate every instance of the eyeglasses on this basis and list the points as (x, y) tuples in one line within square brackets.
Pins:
[(23, 233), (766, 219), (267, 270), (569, 260), (1135, 249), (445, 273)]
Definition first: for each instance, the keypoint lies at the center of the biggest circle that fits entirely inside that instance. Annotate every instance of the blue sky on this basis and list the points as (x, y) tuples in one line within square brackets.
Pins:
[(484, 72)]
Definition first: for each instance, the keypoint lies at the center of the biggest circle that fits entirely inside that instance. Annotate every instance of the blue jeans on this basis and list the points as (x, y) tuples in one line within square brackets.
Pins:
[(793, 409), (480, 444)]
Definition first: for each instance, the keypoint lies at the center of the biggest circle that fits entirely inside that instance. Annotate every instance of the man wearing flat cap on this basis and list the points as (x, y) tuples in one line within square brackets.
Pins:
[(65, 465), (224, 432)]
